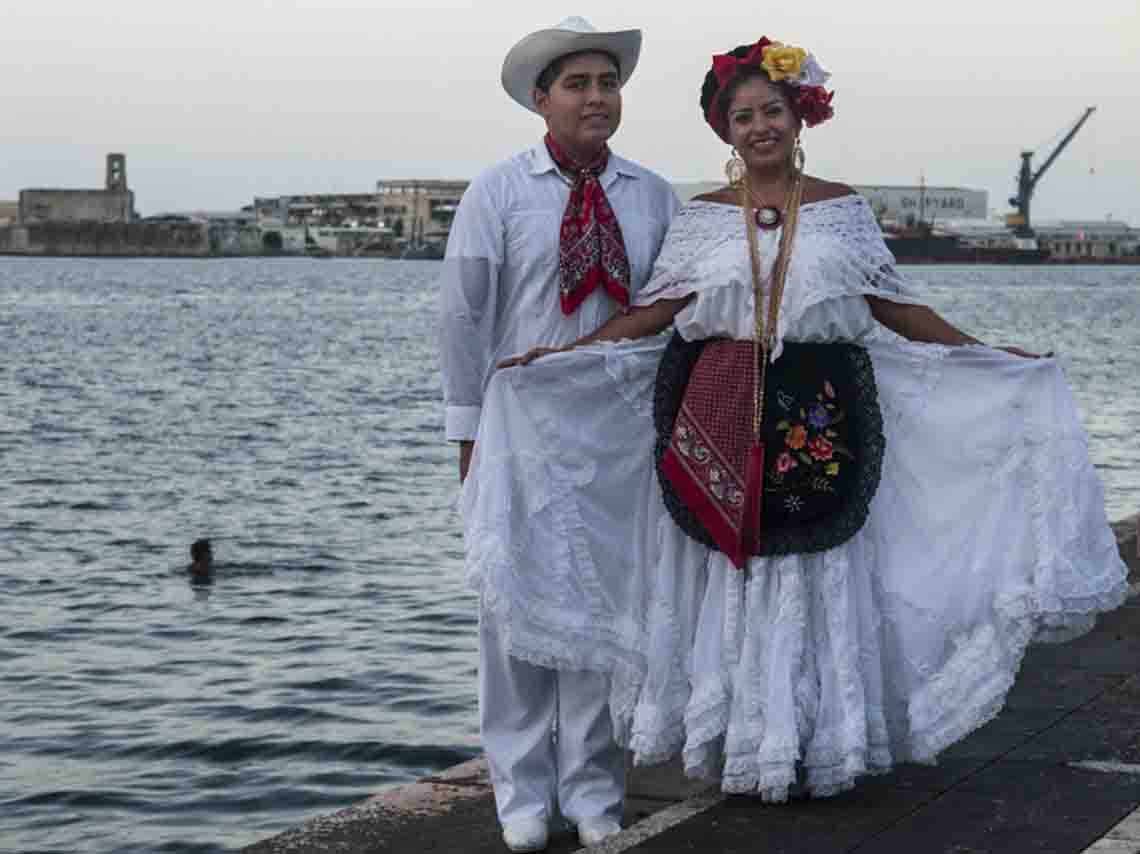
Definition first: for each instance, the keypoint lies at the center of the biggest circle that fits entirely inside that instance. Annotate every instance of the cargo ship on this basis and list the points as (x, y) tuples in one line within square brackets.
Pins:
[(922, 245)]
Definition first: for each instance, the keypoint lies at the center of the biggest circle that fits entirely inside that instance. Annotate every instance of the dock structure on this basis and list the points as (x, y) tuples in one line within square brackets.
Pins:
[(1056, 772)]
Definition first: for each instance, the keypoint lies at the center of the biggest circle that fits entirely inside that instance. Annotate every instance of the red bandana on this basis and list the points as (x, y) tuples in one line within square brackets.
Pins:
[(591, 249)]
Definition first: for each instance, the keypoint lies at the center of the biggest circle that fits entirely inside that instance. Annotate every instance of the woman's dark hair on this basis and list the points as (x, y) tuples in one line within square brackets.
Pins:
[(550, 73), (742, 75)]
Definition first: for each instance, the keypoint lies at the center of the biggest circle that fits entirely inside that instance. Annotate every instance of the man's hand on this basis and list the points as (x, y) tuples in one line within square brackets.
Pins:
[(466, 449), (529, 356)]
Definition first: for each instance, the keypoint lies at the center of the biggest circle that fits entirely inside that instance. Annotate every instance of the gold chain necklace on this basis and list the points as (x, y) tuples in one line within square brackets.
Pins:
[(766, 321)]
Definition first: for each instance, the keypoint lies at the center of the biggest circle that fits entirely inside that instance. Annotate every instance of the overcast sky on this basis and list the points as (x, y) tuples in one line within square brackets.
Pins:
[(215, 101)]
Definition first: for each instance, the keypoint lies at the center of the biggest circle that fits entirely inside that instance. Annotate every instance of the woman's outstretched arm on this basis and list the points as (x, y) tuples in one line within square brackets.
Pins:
[(638, 322), (917, 323), (922, 323)]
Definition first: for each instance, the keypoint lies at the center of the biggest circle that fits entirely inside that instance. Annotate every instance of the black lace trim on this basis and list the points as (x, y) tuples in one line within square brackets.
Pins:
[(821, 534), (668, 391)]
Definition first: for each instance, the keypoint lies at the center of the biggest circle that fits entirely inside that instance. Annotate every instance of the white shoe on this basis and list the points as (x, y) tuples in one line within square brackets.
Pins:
[(591, 831), (525, 834)]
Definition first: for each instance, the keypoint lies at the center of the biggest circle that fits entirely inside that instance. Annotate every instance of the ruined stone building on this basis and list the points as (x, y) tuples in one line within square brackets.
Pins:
[(115, 203)]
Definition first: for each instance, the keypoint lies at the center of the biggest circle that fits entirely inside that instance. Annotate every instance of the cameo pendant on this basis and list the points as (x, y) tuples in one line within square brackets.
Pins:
[(767, 218)]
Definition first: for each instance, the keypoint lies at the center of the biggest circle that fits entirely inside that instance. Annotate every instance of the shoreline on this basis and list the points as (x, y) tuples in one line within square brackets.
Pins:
[(221, 256)]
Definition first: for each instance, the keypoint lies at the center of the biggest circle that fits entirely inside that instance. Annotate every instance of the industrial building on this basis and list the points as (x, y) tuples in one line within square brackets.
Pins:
[(403, 217), (1070, 240), (908, 206), (323, 224), (420, 211), (332, 209), (1067, 240)]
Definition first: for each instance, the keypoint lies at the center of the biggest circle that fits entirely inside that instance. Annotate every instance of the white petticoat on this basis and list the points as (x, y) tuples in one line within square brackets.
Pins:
[(987, 530)]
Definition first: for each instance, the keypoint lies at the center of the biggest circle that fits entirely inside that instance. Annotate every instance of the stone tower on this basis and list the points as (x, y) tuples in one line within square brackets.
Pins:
[(117, 173)]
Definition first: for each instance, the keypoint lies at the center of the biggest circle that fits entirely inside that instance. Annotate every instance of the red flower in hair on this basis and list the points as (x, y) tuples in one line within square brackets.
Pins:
[(810, 101), (813, 105), (724, 68), (725, 64)]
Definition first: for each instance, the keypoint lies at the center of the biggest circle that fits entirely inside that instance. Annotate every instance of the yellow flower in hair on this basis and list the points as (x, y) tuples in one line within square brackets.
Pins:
[(782, 61)]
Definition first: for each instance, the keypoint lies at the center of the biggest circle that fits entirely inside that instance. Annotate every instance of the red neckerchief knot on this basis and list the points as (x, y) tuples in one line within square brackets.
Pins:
[(591, 250)]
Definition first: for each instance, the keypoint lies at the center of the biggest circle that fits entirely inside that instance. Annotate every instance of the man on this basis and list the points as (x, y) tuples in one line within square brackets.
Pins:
[(544, 249)]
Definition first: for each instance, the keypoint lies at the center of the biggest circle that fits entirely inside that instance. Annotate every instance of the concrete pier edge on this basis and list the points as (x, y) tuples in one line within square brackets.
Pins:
[(454, 810)]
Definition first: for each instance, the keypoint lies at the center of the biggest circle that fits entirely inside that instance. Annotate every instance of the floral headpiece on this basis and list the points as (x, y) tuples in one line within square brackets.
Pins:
[(782, 63)]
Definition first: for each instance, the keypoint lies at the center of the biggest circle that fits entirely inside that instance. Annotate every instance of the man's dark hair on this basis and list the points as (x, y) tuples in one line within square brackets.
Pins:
[(550, 73), (200, 549)]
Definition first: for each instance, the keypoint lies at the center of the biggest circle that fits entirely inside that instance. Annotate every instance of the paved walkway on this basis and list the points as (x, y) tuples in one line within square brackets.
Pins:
[(1057, 772)]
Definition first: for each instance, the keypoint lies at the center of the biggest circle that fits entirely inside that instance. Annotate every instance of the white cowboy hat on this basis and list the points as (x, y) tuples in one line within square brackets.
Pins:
[(533, 53)]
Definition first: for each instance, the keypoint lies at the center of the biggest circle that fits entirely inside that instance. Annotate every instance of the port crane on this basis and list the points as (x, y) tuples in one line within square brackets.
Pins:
[(1027, 180)]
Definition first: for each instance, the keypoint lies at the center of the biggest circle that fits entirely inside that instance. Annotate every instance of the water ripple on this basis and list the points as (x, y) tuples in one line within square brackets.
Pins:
[(290, 411)]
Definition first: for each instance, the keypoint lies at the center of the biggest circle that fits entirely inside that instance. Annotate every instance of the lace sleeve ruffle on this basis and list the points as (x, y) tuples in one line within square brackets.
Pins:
[(691, 258), (843, 248), (839, 258), (840, 253)]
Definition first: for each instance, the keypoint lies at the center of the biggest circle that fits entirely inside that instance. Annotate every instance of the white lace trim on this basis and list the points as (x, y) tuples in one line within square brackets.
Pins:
[(724, 727), (839, 254)]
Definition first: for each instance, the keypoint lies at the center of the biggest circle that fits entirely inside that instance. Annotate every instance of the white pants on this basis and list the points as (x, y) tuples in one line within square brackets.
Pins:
[(548, 737)]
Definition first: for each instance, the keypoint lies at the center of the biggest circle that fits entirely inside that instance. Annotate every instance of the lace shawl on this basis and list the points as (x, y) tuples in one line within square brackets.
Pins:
[(839, 252)]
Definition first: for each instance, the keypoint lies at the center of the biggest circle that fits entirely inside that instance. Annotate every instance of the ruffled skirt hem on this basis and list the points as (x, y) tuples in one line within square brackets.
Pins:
[(807, 671)]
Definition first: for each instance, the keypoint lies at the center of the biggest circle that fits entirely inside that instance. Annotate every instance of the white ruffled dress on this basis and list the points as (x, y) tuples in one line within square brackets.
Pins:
[(987, 531)]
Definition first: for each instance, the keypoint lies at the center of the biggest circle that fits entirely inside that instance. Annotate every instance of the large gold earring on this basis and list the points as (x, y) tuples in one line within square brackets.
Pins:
[(734, 169), (798, 156)]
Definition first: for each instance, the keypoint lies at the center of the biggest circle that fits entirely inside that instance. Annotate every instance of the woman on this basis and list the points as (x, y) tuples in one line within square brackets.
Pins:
[(986, 528)]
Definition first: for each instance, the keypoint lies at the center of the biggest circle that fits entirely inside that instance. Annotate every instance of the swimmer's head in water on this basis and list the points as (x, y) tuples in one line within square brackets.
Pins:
[(200, 550)]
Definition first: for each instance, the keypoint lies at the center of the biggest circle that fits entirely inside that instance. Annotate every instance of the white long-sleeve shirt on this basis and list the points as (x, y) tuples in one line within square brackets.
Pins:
[(499, 296)]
